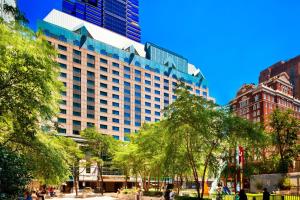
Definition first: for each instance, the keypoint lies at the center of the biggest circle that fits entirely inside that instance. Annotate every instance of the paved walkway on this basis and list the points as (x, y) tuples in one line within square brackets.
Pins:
[(72, 196)]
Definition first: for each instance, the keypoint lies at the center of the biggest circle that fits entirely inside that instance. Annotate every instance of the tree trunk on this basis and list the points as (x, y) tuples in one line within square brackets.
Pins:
[(205, 168), (102, 182)]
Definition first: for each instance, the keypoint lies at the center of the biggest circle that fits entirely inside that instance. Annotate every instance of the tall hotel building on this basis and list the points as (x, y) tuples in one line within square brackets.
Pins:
[(112, 82), (120, 16)]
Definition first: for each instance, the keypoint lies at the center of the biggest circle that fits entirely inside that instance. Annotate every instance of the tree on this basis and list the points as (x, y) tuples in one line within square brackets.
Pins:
[(97, 147), (13, 175), (284, 129)]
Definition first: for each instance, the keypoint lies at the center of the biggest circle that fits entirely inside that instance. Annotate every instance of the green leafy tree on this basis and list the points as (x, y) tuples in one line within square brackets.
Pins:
[(284, 129), (14, 174), (97, 147)]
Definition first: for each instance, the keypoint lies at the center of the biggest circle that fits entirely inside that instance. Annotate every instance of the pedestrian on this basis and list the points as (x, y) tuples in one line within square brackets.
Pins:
[(242, 195), (172, 195), (27, 196), (266, 194), (167, 194)]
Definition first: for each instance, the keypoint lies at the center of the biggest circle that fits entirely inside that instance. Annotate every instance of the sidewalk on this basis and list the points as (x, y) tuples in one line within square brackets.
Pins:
[(89, 197)]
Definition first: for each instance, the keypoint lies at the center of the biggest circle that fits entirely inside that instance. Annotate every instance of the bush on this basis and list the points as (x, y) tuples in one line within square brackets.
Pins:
[(153, 193)]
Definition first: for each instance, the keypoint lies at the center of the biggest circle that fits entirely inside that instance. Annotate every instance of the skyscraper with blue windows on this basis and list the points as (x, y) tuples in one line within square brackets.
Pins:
[(120, 16)]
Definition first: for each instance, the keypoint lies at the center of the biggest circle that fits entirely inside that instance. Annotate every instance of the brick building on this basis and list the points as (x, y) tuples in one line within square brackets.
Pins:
[(291, 67)]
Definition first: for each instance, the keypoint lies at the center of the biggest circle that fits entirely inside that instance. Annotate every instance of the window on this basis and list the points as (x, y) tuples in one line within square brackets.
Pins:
[(157, 92), (137, 87), (174, 84), (127, 76), (115, 88), (102, 101), (76, 96), (103, 93), (90, 74), (137, 109), (137, 72), (137, 94), (127, 130), (90, 116), (126, 99), (104, 110), (127, 69), (115, 120), (63, 111), (127, 122), (147, 82), (115, 96), (102, 126), (89, 107), (103, 118), (148, 119), (157, 78), (115, 112), (137, 79), (61, 47), (64, 93), (103, 77), (174, 97), (62, 130), (115, 72), (63, 75), (147, 75), (127, 114), (157, 85), (90, 124), (148, 111), (102, 60), (127, 107), (76, 105), (76, 87), (63, 102), (198, 92), (61, 120), (147, 89), (115, 80), (75, 78), (76, 52), (157, 113), (62, 56), (157, 99), (166, 87), (115, 64), (75, 113), (103, 85), (90, 99), (126, 83), (115, 128), (90, 57), (126, 91), (147, 96), (138, 124), (115, 104), (116, 137), (91, 91), (90, 82), (62, 65), (166, 95), (148, 104), (104, 69), (76, 123), (166, 81), (137, 101)]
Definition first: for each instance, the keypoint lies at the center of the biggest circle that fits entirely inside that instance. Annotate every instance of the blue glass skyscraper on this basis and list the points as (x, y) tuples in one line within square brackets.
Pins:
[(120, 16)]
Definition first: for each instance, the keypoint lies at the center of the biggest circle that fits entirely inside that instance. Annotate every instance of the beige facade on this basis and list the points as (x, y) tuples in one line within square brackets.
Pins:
[(98, 79)]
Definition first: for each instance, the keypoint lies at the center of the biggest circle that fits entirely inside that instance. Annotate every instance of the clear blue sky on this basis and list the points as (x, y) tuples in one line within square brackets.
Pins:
[(230, 41)]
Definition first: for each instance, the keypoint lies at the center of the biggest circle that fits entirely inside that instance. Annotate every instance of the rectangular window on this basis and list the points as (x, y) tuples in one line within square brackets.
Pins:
[(90, 124), (127, 69), (126, 91), (103, 85), (76, 70), (157, 92), (63, 75), (90, 99), (174, 84), (75, 78), (76, 96), (148, 111), (103, 118), (63, 111), (89, 107), (127, 99), (166, 87), (62, 130), (75, 113), (62, 65), (115, 104), (157, 99), (126, 83), (137, 87), (137, 72), (104, 69), (147, 89), (102, 60), (90, 116), (91, 83), (157, 85), (76, 105), (91, 91), (127, 115), (115, 88), (166, 95), (115, 112), (90, 74), (115, 72), (127, 76), (137, 79), (137, 94), (148, 119), (147, 96), (157, 78), (137, 102), (76, 52), (115, 80), (103, 126), (147, 82), (62, 56), (127, 130), (116, 137), (115, 64), (104, 110), (137, 109), (157, 113), (115, 128), (102, 101), (103, 77), (76, 87), (148, 104), (103, 93), (166, 81), (138, 124), (61, 47), (115, 96), (147, 75), (115, 120), (61, 120), (76, 123), (127, 122)]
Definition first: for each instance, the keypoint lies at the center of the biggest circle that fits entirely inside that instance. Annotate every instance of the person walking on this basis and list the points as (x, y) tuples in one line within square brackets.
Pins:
[(242, 195), (266, 194), (172, 195)]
